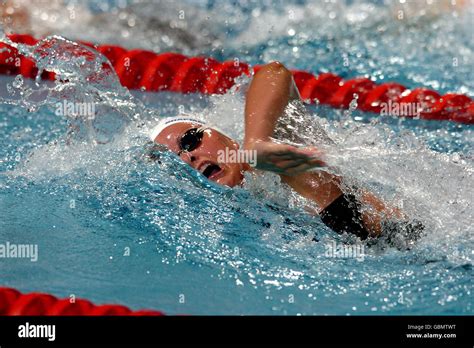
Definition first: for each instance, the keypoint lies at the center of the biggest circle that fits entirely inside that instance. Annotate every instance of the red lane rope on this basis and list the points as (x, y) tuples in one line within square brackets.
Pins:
[(141, 69), (13, 302)]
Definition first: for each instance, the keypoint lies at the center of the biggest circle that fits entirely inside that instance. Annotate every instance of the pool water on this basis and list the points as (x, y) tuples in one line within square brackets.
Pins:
[(113, 227)]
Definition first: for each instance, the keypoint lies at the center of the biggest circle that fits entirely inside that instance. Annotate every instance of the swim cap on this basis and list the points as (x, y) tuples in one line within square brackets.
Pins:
[(166, 122)]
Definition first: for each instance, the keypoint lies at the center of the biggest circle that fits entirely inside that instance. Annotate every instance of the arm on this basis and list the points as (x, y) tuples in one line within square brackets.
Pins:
[(268, 95)]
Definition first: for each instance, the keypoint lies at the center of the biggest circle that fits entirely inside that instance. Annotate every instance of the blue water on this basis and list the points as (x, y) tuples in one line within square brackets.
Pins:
[(114, 228)]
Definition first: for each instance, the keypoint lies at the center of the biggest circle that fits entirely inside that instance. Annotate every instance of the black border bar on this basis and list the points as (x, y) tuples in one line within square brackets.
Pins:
[(332, 330)]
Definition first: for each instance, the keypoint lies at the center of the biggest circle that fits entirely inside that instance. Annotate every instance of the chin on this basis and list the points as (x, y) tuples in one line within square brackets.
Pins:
[(231, 179)]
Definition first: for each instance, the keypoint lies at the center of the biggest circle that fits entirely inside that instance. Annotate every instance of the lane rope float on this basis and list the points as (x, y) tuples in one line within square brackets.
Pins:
[(13, 302), (150, 71)]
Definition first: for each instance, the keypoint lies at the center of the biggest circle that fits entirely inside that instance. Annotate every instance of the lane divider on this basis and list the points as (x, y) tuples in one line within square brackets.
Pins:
[(150, 71), (13, 302)]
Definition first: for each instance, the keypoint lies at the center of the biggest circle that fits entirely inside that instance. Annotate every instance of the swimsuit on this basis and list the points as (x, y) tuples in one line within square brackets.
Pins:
[(343, 216)]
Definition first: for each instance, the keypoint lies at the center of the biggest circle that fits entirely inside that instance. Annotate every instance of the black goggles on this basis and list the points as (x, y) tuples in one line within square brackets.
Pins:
[(191, 140)]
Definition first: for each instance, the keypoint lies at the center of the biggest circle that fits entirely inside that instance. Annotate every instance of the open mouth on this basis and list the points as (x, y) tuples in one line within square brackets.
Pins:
[(210, 170)]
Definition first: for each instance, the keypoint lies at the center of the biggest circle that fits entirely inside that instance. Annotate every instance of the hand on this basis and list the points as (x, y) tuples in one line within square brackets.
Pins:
[(285, 159)]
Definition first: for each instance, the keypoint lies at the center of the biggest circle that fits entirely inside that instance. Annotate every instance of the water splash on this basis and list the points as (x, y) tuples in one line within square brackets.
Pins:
[(83, 77), (257, 242)]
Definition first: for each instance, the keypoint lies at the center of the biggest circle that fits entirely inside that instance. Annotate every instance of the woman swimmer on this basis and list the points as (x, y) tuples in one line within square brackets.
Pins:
[(358, 212)]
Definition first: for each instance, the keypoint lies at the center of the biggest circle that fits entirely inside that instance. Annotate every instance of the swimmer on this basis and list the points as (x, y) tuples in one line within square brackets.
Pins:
[(415, 10), (42, 17), (161, 23), (271, 90)]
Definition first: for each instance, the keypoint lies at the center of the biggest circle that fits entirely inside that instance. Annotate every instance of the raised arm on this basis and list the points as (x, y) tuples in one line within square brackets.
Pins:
[(268, 95)]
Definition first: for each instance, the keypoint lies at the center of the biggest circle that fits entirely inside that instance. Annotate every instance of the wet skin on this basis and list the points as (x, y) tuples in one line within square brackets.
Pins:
[(205, 157)]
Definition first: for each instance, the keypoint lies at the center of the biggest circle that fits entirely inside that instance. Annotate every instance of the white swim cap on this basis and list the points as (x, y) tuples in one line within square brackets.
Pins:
[(166, 122)]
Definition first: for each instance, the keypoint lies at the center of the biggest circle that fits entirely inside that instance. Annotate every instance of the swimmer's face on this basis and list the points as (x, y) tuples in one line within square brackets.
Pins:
[(205, 156)]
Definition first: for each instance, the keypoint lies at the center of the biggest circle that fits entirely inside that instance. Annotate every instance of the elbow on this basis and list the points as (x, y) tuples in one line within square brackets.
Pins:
[(274, 68)]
